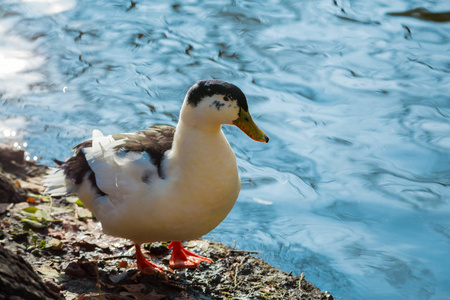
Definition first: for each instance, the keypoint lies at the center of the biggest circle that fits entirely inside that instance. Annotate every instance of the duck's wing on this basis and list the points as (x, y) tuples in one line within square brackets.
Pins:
[(155, 142), (113, 163)]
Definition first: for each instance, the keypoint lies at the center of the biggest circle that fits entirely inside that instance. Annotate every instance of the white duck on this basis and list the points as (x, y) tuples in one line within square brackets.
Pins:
[(165, 183)]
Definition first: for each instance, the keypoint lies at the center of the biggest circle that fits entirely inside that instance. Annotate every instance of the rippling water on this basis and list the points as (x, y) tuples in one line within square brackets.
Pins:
[(353, 188)]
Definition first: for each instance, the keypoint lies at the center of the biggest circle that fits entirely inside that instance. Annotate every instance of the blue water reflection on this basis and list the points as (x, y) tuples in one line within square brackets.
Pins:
[(353, 188)]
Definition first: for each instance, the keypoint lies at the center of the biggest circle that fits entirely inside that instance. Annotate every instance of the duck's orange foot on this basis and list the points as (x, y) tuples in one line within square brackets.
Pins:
[(147, 267), (182, 258)]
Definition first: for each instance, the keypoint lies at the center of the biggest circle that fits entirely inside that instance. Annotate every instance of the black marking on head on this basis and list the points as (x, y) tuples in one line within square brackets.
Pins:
[(218, 104), (210, 87)]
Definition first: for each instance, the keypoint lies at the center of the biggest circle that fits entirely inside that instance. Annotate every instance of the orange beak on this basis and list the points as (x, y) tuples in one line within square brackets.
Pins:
[(246, 124)]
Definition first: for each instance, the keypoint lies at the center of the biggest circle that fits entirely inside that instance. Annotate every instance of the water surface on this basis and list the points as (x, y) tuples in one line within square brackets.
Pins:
[(353, 188)]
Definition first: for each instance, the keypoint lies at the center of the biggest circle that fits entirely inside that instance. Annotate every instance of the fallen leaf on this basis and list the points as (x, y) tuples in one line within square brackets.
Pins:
[(134, 290), (137, 295), (33, 223), (48, 272), (137, 292), (81, 268), (123, 264), (70, 226), (55, 244), (31, 200), (109, 286), (154, 296), (55, 233), (133, 287), (60, 210), (43, 216), (72, 199), (4, 207), (84, 213), (202, 244), (52, 285), (74, 269), (87, 246), (32, 187), (30, 209)]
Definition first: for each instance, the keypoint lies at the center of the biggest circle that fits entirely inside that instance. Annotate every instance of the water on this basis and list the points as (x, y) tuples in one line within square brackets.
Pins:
[(353, 188)]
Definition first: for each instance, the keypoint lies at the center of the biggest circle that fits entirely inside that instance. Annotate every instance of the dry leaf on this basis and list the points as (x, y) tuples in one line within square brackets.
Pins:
[(132, 288), (31, 200), (123, 264), (32, 187), (55, 244), (155, 296)]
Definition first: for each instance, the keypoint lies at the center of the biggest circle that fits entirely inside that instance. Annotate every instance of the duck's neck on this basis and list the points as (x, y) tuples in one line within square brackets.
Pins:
[(197, 150), (190, 139)]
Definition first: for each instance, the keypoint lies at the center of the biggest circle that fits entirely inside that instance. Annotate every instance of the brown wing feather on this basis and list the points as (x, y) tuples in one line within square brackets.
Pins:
[(155, 141)]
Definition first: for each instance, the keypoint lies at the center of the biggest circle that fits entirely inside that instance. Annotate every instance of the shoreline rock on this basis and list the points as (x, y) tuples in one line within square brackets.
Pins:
[(72, 258)]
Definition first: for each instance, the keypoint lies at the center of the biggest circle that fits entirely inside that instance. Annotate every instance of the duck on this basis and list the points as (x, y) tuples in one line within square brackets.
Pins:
[(164, 183)]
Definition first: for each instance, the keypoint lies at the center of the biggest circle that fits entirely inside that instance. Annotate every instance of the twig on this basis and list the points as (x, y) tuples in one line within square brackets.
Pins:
[(97, 284), (176, 284), (302, 276), (117, 257)]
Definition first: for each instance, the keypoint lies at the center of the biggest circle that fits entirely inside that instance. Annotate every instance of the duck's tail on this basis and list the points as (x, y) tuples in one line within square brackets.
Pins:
[(56, 182)]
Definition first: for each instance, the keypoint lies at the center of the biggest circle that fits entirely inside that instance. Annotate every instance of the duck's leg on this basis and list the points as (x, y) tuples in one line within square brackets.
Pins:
[(182, 258), (147, 267)]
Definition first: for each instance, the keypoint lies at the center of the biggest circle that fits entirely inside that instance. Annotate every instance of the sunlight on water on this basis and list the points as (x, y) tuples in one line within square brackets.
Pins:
[(353, 188)]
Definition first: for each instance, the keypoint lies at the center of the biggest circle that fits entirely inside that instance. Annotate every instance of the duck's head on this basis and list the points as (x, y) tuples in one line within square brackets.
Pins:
[(213, 102)]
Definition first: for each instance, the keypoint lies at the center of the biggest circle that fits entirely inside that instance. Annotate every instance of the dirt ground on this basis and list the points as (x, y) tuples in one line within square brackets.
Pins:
[(66, 247)]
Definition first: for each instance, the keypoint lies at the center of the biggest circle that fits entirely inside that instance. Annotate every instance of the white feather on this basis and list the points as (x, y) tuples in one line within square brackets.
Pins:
[(117, 175), (56, 183)]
